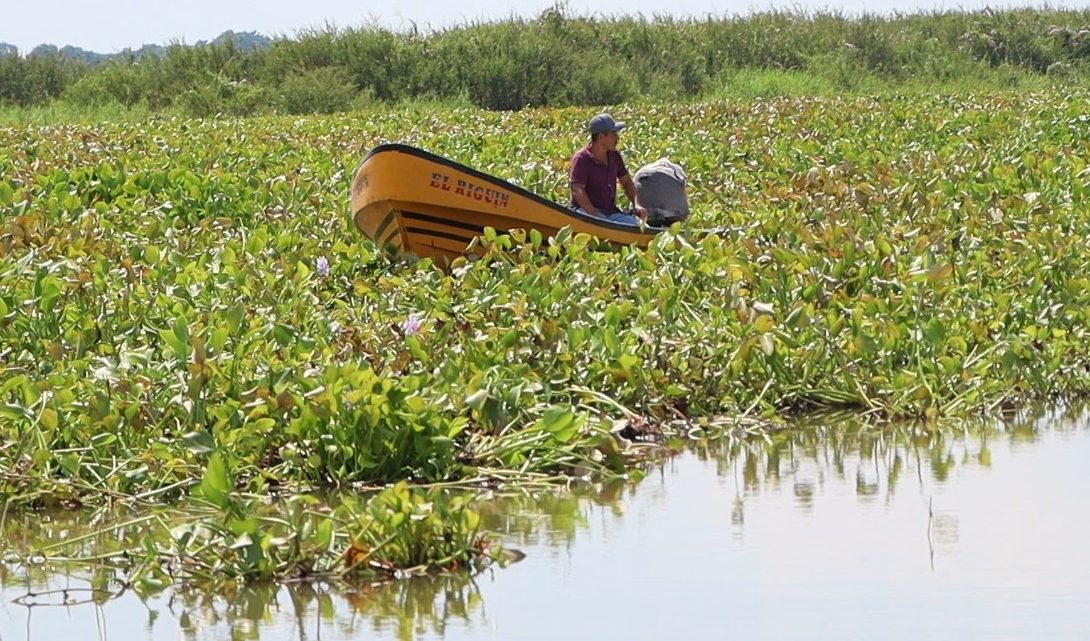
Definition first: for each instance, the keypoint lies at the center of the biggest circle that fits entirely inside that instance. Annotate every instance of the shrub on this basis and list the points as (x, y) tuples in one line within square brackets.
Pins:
[(321, 90)]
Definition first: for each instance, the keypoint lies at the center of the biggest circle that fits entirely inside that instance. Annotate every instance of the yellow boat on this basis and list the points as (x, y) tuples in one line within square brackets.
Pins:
[(418, 203)]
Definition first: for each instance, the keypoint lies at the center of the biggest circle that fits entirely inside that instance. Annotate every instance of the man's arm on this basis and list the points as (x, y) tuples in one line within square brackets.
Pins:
[(630, 191), (579, 194)]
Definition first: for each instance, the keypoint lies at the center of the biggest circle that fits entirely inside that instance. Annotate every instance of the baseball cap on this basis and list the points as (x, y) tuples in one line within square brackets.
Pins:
[(603, 123)]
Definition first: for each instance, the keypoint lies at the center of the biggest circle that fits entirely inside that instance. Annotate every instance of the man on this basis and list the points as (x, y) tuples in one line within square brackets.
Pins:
[(595, 171)]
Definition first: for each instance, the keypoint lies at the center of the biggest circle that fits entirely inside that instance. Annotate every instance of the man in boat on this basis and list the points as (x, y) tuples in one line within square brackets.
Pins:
[(595, 171)]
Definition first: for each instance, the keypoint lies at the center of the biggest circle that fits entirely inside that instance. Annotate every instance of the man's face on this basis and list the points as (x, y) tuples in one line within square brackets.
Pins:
[(610, 138)]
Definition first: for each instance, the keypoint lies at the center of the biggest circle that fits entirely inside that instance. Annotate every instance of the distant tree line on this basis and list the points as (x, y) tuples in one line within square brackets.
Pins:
[(557, 59)]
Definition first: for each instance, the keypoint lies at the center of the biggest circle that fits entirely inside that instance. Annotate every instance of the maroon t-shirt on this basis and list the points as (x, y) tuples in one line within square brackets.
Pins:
[(599, 179)]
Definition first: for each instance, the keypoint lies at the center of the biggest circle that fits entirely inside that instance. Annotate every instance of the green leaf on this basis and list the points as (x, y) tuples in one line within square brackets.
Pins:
[(509, 338), (19, 381), (199, 442), (560, 422), (15, 412), (476, 399), (323, 535), (48, 418), (935, 331), (940, 272), (235, 316), (51, 290), (218, 338), (216, 484), (284, 334), (104, 439)]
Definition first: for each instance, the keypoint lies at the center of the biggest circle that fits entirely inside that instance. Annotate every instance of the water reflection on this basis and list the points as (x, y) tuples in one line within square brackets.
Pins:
[(876, 459), (404, 610), (905, 511)]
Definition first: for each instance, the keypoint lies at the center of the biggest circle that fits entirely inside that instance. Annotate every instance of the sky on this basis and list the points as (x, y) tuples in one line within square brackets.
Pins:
[(108, 26)]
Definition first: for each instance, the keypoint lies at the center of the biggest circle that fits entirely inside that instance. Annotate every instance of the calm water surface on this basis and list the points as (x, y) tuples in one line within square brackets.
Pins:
[(832, 532)]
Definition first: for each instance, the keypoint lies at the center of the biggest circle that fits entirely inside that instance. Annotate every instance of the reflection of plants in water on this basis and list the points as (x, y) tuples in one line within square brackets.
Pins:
[(409, 608), (406, 606), (551, 516), (875, 458), (399, 530), (419, 604)]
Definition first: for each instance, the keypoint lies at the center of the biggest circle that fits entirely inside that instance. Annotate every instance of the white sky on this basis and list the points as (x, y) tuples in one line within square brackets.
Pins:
[(108, 26)]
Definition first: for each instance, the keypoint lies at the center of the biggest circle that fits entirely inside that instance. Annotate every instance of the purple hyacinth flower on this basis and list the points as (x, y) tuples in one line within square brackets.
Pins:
[(323, 266), (411, 325)]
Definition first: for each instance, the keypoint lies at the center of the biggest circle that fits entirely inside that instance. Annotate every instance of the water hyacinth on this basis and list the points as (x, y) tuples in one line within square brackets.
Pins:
[(885, 255), (411, 326)]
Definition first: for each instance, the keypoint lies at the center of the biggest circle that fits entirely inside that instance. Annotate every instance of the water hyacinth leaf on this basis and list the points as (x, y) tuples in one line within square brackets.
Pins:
[(866, 344), (31, 394), (235, 316), (323, 534), (561, 423), (609, 337), (48, 418), (283, 334), (940, 272), (472, 520), (243, 540), (935, 331), (676, 391), (51, 289), (218, 338), (415, 348), (216, 485), (509, 339), (477, 399), (20, 381), (199, 442), (104, 439), (15, 412), (767, 343)]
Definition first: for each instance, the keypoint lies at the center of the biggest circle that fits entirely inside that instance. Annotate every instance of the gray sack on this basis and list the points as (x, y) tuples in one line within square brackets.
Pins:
[(660, 188)]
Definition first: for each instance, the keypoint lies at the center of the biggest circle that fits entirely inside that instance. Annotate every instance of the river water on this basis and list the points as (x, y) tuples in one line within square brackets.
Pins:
[(833, 531)]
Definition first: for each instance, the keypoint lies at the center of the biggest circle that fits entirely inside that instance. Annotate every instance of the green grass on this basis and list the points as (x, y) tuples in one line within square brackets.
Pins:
[(60, 111)]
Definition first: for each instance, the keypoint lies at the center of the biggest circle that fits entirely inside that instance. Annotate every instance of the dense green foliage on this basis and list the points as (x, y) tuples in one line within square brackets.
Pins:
[(179, 289), (560, 59)]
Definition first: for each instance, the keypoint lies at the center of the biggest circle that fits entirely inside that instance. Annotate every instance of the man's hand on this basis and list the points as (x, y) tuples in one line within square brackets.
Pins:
[(579, 193), (640, 212)]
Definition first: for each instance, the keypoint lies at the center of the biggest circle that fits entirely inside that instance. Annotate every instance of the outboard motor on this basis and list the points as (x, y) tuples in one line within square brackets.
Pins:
[(660, 188)]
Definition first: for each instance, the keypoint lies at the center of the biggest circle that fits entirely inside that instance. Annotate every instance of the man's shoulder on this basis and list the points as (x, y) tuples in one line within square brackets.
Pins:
[(582, 155)]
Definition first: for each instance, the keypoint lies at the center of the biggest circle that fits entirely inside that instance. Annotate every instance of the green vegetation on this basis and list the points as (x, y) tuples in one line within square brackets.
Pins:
[(559, 59), (225, 538), (186, 310)]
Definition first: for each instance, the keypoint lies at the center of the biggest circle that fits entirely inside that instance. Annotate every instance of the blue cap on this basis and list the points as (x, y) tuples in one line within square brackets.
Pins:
[(603, 123)]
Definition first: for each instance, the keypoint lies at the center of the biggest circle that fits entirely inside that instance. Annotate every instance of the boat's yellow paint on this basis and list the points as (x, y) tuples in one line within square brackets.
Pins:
[(417, 203)]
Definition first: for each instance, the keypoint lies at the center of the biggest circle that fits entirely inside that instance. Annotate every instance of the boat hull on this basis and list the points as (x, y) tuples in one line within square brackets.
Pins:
[(413, 202)]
